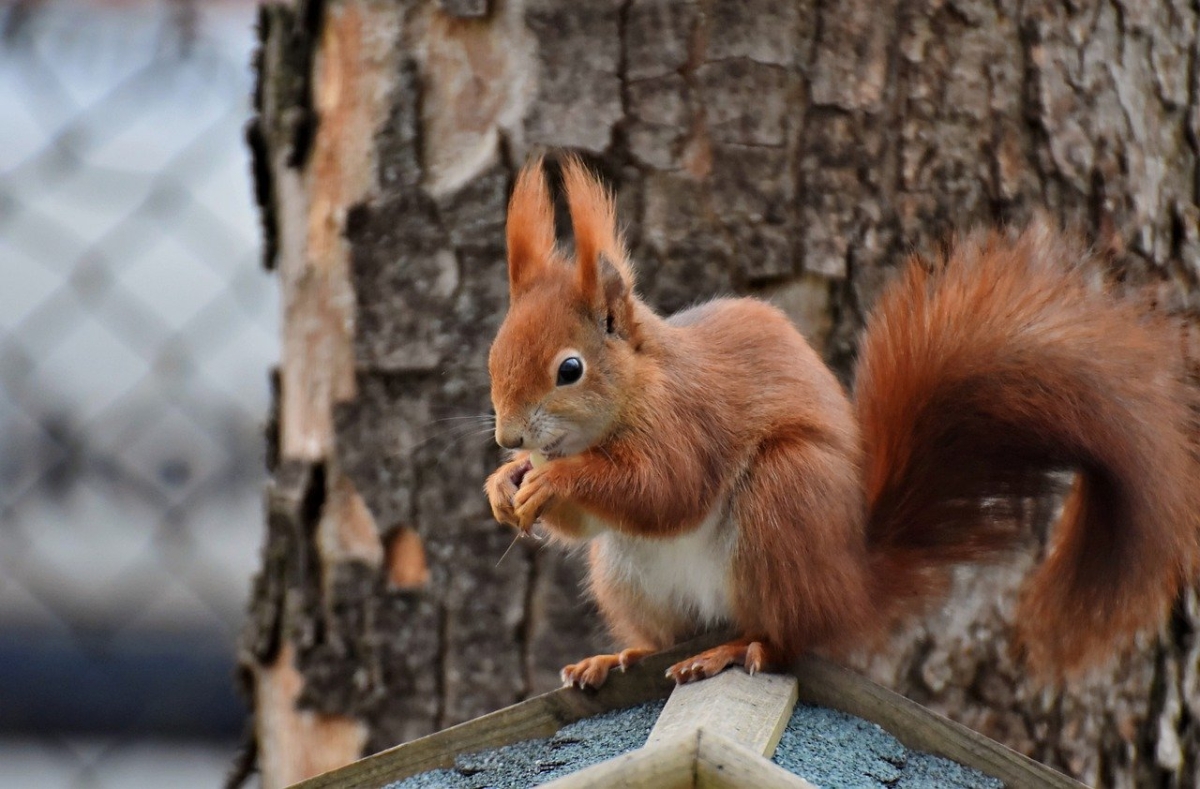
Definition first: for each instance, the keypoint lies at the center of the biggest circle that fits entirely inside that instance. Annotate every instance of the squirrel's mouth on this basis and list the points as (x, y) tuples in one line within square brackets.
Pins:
[(551, 449)]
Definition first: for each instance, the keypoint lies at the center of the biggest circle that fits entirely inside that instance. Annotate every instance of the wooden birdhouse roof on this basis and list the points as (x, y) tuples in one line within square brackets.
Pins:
[(818, 726)]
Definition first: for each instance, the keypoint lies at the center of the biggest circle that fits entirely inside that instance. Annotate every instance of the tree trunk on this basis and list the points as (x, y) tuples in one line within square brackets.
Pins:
[(792, 150)]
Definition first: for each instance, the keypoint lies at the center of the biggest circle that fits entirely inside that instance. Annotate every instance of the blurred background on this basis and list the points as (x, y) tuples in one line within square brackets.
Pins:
[(137, 329)]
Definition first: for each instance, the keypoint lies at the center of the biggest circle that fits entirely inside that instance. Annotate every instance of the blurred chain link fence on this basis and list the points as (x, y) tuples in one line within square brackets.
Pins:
[(136, 332)]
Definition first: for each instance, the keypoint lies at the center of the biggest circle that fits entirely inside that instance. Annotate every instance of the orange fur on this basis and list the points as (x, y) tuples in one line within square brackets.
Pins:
[(717, 435)]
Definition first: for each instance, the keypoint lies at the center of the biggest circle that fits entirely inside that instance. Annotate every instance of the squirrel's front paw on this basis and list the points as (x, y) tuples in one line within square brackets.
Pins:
[(536, 493), (502, 487)]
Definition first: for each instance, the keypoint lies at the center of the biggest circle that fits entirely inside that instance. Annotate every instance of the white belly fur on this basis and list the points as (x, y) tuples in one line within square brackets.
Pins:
[(689, 573)]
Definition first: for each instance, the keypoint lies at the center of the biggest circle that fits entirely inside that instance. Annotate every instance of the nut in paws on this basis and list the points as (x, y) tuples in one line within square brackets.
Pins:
[(536, 494)]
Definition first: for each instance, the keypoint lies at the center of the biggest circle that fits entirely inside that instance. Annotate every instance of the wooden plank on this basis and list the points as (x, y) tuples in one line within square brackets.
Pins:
[(670, 764), (829, 685), (724, 764), (749, 710), (698, 758), (540, 716)]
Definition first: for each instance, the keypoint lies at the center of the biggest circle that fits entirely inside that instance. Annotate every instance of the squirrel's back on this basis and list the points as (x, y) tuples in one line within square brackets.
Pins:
[(983, 373), (760, 372)]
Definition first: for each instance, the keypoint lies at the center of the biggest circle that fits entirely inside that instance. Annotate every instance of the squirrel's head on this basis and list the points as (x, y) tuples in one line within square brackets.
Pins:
[(562, 363)]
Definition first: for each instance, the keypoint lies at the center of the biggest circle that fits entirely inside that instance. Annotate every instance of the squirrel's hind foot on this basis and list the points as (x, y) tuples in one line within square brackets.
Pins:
[(754, 656), (592, 672)]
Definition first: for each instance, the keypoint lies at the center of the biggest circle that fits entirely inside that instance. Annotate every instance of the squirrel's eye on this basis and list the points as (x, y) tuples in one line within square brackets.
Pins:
[(570, 371)]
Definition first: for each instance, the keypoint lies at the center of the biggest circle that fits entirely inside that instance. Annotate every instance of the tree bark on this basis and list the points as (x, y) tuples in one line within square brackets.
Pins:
[(792, 150)]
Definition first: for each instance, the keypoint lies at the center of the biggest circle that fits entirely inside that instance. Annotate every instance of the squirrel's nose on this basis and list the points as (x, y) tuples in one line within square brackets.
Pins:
[(510, 439)]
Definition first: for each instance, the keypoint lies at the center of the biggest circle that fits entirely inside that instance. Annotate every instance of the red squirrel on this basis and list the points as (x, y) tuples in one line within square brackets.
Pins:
[(724, 478)]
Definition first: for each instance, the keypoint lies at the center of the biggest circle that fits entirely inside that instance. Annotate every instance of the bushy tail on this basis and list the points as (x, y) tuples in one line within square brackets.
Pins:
[(983, 373)]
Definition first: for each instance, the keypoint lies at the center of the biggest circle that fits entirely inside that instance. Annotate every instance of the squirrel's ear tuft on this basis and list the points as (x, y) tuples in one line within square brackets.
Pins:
[(530, 228), (594, 223)]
